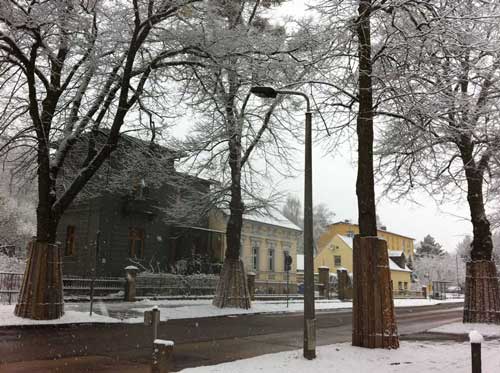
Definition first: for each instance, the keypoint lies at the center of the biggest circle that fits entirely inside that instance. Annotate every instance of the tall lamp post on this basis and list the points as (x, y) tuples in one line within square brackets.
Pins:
[(309, 314)]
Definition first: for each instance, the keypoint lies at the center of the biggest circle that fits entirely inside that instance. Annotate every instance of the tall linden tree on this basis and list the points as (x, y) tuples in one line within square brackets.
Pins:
[(69, 70)]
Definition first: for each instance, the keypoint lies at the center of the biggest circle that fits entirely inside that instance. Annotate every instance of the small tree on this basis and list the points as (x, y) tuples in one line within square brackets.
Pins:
[(292, 210)]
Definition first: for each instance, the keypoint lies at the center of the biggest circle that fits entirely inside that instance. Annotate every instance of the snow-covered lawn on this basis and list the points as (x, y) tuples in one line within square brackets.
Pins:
[(132, 312), (7, 317), (411, 357), (487, 330)]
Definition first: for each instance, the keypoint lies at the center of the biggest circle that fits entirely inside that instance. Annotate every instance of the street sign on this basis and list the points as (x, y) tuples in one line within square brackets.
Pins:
[(288, 263)]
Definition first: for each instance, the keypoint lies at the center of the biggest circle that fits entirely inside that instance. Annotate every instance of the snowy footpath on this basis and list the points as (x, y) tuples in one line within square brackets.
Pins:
[(128, 312), (411, 357)]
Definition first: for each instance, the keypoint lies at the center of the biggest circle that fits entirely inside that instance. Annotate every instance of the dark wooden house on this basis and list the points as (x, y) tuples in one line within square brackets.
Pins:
[(138, 210)]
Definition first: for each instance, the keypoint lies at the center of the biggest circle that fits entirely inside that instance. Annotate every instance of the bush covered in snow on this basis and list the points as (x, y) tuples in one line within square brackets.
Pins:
[(12, 264)]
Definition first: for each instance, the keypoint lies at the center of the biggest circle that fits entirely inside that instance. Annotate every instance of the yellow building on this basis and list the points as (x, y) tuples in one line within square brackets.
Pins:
[(395, 241), (264, 241), (335, 252)]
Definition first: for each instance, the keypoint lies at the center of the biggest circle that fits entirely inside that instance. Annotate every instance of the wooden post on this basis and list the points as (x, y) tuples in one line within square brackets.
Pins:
[(162, 356), (130, 285), (374, 323), (156, 322), (342, 283), (41, 295), (424, 292), (324, 279), (251, 284), (475, 345)]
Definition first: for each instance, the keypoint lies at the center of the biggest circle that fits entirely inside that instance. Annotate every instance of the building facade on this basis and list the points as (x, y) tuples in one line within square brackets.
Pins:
[(265, 240), (395, 241), (137, 212), (335, 251)]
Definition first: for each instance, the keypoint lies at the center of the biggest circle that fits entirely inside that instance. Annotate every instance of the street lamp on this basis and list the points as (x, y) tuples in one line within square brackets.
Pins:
[(309, 314)]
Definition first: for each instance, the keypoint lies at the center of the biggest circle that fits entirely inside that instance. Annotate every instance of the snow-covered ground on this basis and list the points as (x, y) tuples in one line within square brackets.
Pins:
[(7, 317), (133, 312), (487, 330), (411, 357)]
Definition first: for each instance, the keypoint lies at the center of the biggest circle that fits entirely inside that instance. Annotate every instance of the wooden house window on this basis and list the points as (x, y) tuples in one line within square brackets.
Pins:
[(136, 242), (69, 248)]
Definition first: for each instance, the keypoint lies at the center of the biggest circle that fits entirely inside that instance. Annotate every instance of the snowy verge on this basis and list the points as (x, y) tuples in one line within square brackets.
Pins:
[(411, 357), (133, 312), (198, 309), (7, 318), (486, 330)]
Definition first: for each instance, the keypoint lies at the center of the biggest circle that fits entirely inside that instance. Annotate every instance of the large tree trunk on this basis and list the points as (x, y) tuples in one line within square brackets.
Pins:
[(41, 294), (482, 296), (232, 289), (374, 323)]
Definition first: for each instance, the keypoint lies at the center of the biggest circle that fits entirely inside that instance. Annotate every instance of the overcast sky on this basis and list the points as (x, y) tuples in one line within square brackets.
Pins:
[(334, 181)]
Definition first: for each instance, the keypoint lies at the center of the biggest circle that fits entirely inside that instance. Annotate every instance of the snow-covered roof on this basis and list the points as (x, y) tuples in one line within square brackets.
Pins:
[(394, 267), (274, 218), (395, 253), (300, 262), (348, 240), (379, 230)]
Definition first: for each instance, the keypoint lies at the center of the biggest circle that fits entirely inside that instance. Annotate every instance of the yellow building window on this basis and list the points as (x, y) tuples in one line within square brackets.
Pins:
[(337, 260)]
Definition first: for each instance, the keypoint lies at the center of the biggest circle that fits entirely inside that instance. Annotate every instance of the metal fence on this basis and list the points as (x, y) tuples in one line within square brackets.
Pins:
[(74, 285), (10, 285), (147, 285)]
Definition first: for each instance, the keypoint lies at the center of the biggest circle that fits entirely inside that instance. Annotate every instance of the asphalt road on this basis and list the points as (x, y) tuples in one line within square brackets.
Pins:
[(203, 341)]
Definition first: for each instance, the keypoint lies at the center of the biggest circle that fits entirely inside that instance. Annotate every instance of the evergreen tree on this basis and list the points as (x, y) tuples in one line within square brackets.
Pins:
[(429, 247)]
